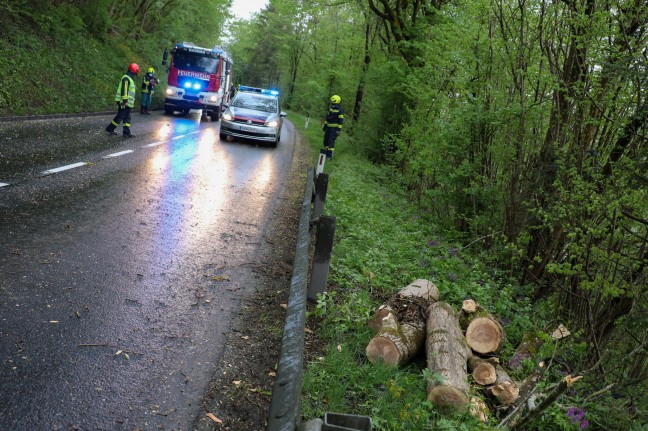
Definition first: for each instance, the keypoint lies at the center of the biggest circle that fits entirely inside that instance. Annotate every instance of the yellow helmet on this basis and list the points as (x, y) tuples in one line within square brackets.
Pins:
[(151, 70), (336, 99)]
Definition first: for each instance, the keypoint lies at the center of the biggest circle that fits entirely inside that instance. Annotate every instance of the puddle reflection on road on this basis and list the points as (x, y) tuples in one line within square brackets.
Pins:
[(190, 177)]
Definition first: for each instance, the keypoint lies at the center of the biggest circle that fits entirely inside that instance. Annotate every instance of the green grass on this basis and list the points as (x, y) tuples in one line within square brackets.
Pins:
[(52, 65)]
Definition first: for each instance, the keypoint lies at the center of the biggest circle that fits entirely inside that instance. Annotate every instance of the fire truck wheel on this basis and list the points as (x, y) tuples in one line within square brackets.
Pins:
[(215, 115), (168, 109)]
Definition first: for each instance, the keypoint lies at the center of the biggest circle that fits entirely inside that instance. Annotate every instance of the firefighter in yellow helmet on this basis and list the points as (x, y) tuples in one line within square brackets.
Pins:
[(148, 86), (333, 125), (125, 99)]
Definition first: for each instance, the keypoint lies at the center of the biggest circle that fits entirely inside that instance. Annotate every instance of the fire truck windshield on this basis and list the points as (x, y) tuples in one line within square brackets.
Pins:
[(195, 62)]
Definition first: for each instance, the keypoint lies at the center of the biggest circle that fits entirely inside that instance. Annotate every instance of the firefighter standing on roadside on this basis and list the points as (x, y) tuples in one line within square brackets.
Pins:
[(125, 99), (332, 125), (148, 86)]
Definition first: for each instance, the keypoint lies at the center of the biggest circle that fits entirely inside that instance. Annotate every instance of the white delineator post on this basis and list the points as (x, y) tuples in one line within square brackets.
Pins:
[(320, 162)]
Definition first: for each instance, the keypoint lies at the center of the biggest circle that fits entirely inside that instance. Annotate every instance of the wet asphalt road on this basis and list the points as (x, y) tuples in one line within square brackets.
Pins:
[(119, 278)]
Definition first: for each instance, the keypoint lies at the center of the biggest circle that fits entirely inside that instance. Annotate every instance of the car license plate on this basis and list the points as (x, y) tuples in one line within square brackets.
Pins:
[(247, 129)]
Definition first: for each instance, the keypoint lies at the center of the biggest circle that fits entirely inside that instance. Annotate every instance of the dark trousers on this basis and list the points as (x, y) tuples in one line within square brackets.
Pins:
[(330, 135), (123, 115)]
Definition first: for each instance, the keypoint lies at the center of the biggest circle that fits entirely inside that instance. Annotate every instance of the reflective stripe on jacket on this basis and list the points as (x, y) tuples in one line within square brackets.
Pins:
[(146, 83), (335, 116), (126, 91)]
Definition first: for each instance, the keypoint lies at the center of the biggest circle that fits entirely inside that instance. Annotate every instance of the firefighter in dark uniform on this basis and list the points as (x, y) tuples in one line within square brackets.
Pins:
[(125, 99), (333, 125)]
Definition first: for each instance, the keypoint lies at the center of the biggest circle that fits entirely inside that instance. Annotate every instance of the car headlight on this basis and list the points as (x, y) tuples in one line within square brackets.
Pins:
[(228, 115), (272, 123)]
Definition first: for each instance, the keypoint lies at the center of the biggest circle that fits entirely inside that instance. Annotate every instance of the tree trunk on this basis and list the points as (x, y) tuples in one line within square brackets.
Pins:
[(399, 325), (447, 356)]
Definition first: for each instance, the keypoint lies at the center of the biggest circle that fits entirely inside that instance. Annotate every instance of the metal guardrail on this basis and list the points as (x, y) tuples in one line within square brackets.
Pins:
[(285, 405)]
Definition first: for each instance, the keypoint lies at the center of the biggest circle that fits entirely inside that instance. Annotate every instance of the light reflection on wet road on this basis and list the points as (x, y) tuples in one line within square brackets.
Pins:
[(119, 278)]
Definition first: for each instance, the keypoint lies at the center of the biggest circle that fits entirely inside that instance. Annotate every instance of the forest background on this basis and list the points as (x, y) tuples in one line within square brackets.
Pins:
[(515, 130)]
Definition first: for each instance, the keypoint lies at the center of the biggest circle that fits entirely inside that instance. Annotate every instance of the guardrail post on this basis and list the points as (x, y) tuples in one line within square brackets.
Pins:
[(321, 185), (322, 257), (285, 404)]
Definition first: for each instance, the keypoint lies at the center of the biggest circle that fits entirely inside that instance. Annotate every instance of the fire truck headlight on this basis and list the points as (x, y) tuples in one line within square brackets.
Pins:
[(213, 98), (169, 92)]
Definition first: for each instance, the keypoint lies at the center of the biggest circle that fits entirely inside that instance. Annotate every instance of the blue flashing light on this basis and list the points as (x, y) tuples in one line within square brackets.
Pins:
[(259, 90), (187, 84), (252, 89), (196, 86)]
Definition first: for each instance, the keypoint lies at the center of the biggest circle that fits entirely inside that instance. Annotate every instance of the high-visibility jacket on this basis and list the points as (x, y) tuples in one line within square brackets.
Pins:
[(147, 85), (126, 91), (335, 116)]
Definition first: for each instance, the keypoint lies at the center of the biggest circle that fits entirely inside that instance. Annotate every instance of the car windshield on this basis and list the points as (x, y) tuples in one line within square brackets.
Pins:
[(255, 101), (195, 62)]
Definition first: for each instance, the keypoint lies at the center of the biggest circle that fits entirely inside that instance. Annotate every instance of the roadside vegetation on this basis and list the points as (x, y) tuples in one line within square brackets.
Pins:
[(495, 148)]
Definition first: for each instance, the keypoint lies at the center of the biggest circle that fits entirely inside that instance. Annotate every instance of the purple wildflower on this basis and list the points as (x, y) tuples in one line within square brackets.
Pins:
[(452, 277), (576, 415), (452, 251), (432, 243)]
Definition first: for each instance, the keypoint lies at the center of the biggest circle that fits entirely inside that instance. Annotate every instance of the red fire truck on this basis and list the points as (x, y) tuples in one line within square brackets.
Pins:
[(199, 78)]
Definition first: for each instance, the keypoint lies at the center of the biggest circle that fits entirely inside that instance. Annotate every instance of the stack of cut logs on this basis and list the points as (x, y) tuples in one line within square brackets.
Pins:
[(456, 344)]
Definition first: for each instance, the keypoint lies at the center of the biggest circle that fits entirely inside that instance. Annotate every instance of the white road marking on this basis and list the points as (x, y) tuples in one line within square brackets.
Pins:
[(64, 168), (121, 153), (3, 184), (154, 144), (178, 137)]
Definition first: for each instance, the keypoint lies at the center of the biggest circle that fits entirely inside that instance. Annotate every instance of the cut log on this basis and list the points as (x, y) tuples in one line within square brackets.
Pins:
[(421, 288), (470, 309), (527, 349), (399, 325), (469, 306), (396, 343), (484, 335), (483, 370), (504, 390), (531, 345), (447, 356)]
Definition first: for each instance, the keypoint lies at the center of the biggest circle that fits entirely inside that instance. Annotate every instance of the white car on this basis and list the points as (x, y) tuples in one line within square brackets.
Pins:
[(254, 113)]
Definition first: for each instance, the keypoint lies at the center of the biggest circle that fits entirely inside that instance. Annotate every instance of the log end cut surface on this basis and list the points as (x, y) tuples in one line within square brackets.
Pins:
[(381, 349), (448, 397), (484, 335), (484, 374)]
